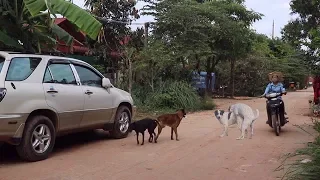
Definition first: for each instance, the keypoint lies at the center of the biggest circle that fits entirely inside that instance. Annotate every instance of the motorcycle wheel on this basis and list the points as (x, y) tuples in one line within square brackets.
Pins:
[(275, 124)]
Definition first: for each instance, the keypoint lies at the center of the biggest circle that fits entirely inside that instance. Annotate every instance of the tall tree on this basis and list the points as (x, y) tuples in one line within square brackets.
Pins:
[(211, 31), (303, 31), (116, 16)]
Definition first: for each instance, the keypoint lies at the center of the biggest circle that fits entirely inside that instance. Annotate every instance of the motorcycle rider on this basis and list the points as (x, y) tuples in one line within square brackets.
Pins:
[(275, 86)]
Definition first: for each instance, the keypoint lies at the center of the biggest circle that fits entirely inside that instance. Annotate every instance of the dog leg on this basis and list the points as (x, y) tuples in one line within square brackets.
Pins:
[(151, 135), (251, 126), (243, 129), (159, 131), (150, 138), (171, 133), (225, 131), (137, 134), (154, 136), (142, 138), (176, 132), (239, 122)]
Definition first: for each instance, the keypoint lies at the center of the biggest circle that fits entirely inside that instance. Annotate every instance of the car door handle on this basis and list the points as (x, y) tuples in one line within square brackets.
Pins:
[(52, 91), (88, 92)]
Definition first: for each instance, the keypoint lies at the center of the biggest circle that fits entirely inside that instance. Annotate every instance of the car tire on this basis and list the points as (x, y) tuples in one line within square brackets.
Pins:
[(121, 123), (39, 131)]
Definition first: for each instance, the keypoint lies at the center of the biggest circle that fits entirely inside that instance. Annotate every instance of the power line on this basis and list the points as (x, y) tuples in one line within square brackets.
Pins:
[(105, 20)]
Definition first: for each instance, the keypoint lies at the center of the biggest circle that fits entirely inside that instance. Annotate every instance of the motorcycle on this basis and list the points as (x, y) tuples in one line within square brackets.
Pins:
[(274, 104)]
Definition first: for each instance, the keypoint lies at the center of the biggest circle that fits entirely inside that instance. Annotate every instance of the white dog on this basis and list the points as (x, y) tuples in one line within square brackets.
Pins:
[(226, 119), (245, 117)]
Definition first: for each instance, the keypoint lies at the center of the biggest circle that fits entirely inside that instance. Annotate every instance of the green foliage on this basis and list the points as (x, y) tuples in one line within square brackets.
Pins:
[(25, 22), (171, 96), (303, 31), (87, 23), (308, 170), (203, 33), (111, 42), (174, 95)]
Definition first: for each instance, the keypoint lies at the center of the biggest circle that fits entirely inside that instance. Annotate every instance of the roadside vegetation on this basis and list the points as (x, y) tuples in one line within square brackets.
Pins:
[(188, 36), (307, 163)]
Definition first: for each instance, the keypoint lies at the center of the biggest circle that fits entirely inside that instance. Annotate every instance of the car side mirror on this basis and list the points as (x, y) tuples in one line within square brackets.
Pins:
[(106, 83)]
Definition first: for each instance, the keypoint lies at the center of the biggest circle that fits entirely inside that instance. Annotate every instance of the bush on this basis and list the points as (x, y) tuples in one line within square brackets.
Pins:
[(171, 96), (175, 95)]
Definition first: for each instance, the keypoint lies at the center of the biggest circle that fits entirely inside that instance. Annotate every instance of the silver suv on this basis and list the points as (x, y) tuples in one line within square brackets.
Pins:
[(42, 97)]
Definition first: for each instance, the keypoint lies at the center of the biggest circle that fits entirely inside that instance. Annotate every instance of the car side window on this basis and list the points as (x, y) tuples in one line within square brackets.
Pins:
[(61, 73), (88, 77), (47, 76), (21, 68)]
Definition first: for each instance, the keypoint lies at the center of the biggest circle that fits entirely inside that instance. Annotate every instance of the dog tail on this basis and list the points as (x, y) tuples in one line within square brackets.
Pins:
[(157, 122), (257, 114)]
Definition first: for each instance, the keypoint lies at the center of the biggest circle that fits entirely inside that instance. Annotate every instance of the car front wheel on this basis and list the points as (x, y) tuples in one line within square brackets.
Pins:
[(121, 123), (38, 139)]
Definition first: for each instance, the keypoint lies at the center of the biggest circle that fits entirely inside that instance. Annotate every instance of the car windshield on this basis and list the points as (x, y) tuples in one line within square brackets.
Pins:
[(1, 63)]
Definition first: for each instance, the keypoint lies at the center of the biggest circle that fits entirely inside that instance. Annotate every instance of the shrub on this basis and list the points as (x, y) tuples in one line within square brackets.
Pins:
[(174, 95)]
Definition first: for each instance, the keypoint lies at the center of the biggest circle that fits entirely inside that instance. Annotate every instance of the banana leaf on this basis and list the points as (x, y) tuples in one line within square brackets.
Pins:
[(7, 40), (81, 18)]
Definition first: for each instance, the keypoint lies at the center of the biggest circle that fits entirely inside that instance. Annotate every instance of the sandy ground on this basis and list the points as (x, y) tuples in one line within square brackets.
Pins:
[(199, 155)]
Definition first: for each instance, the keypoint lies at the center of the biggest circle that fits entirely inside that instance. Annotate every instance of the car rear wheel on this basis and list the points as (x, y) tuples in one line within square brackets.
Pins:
[(38, 139), (121, 123)]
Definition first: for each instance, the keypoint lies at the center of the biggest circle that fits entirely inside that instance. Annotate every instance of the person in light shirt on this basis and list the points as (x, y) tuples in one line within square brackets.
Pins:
[(275, 86)]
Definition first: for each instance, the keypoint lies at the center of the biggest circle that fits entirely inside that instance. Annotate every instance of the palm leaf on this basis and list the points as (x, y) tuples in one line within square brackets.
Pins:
[(81, 18), (8, 41)]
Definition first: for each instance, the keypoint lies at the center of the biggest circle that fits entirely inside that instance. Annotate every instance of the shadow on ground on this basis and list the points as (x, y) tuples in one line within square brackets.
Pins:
[(64, 144)]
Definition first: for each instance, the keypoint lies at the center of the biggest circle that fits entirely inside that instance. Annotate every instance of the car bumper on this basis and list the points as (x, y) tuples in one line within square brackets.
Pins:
[(11, 127)]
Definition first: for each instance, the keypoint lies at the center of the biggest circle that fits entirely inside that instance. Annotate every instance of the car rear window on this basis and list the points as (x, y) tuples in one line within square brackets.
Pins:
[(2, 59), (21, 68)]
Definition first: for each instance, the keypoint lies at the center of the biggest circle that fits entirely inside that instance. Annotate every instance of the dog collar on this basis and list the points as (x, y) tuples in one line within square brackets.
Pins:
[(229, 115)]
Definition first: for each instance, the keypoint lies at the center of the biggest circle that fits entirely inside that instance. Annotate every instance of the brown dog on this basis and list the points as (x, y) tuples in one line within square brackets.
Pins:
[(171, 120)]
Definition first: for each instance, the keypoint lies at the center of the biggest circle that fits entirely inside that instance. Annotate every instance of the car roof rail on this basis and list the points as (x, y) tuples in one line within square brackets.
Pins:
[(43, 53)]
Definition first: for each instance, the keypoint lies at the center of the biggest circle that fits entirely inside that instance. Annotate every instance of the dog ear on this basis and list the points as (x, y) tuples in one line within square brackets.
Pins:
[(221, 112), (216, 112)]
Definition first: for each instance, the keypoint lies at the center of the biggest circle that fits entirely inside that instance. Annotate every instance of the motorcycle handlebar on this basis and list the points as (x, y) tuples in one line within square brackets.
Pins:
[(279, 94)]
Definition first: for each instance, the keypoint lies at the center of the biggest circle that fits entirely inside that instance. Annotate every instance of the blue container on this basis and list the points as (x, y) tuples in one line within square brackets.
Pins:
[(199, 80)]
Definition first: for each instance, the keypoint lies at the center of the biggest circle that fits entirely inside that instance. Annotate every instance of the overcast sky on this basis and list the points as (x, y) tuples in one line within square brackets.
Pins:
[(277, 10)]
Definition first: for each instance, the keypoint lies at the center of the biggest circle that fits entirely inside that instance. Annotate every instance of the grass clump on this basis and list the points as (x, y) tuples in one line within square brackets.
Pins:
[(306, 170)]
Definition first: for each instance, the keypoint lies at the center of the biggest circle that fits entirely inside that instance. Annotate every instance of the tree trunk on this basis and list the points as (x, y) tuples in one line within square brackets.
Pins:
[(232, 66), (130, 76)]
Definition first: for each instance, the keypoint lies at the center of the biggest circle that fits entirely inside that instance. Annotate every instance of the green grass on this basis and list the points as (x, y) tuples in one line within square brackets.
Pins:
[(309, 170)]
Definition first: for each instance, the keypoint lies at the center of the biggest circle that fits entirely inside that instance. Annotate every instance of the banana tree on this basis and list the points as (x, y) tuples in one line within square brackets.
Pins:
[(81, 18), (25, 28)]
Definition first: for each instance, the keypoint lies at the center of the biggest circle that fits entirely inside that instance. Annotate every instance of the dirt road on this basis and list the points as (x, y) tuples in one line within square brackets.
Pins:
[(199, 155)]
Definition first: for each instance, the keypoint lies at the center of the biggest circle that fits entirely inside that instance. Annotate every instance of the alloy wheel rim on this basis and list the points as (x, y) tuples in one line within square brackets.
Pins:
[(124, 122), (41, 138)]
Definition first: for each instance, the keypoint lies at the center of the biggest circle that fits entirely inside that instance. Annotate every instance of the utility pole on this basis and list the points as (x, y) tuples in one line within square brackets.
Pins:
[(273, 30), (146, 31)]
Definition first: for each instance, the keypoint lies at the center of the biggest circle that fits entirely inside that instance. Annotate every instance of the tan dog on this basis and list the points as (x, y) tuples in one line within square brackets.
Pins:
[(171, 120)]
